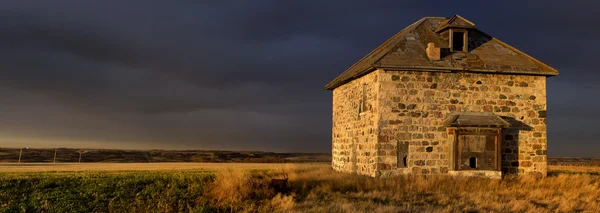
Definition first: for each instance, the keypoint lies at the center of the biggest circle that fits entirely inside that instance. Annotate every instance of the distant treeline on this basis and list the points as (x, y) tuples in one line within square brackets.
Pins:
[(570, 161), (137, 156), (269, 159)]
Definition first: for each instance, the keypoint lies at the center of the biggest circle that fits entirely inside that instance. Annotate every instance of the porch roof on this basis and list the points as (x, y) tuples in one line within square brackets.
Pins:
[(475, 119)]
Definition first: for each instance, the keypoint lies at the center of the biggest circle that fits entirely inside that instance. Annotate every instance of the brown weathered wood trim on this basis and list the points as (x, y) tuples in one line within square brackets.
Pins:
[(451, 38), (476, 131), (454, 148), (497, 133), (499, 150), (465, 38), (465, 47), (457, 153), (334, 84)]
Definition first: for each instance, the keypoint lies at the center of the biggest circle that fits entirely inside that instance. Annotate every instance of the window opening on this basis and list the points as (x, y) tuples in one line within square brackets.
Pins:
[(402, 154), (457, 41), (363, 101), (473, 162)]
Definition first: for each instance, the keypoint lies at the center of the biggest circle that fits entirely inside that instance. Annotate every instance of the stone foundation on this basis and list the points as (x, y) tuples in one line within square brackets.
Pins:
[(481, 173)]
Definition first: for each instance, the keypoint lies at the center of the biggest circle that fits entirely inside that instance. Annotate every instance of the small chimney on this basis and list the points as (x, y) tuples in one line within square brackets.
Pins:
[(433, 52)]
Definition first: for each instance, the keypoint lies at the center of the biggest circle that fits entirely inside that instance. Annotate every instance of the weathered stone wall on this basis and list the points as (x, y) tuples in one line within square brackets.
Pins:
[(413, 105), (354, 134)]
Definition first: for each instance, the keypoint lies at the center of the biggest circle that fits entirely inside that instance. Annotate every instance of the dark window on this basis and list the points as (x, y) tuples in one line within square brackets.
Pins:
[(402, 154), (457, 41), (362, 105), (473, 162)]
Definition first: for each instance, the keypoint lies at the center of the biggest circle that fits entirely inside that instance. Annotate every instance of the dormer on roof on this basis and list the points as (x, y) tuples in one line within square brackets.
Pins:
[(456, 29), (440, 44), (455, 22)]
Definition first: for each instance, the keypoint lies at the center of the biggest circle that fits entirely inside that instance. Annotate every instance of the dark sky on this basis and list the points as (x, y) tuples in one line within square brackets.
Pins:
[(249, 75)]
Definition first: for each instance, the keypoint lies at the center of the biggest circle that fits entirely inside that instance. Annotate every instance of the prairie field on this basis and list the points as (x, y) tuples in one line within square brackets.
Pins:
[(79, 167), (70, 155), (311, 187)]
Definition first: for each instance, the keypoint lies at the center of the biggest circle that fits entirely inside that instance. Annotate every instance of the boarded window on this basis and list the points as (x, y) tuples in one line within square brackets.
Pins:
[(477, 152), (362, 107), (402, 154)]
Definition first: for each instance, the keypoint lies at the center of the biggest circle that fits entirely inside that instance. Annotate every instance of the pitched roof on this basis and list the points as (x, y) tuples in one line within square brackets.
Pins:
[(455, 21), (407, 51), (475, 119)]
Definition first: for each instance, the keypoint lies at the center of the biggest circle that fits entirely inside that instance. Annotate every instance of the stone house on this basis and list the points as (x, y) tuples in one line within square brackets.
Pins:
[(441, 97)]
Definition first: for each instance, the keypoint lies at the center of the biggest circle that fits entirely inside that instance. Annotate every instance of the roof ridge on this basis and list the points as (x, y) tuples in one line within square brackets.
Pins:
[(464, 19), (450, 20), (526, 55), (383, 47)]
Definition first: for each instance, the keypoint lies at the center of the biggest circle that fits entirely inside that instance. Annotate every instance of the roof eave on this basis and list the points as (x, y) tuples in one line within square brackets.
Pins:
[(478, 126), (454, 27), (455, 69), (450, 121), (334, 84)]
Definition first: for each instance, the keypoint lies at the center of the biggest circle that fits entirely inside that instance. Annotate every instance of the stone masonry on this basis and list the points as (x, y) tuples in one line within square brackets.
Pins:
[(355, 133), (413, 105), (409, 106)]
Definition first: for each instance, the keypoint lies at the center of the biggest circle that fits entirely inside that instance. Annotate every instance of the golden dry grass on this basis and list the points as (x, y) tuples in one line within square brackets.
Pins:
[(330, 191), (316, 188), (319, 189), (585, 169)]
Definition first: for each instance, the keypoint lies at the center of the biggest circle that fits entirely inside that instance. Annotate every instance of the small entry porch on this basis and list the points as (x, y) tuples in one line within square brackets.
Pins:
[(475, 143)]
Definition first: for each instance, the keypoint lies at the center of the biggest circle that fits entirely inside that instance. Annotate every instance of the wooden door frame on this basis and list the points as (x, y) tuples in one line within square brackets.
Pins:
[(458, 131)]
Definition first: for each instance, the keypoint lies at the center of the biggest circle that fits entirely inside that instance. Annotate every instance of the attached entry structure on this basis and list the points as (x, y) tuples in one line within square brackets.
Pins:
[(475, 142), (441, 97)]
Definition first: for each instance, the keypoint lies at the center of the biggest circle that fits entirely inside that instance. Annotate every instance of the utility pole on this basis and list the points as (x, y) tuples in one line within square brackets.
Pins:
[(54, 156), (21, 153), (81, 153)]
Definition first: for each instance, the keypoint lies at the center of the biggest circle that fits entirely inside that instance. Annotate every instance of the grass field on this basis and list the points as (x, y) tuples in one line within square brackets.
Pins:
[(70, 155), (193, 187), (64, 167)]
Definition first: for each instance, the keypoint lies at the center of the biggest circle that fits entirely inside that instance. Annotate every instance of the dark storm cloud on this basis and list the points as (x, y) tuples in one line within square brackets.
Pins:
[(242, 74)]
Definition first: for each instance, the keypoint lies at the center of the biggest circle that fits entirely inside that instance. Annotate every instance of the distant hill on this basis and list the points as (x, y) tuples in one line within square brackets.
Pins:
[(571, 161), (137, 156)]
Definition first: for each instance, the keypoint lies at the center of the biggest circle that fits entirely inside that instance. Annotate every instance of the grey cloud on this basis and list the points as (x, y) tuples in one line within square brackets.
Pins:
[(241, 74)]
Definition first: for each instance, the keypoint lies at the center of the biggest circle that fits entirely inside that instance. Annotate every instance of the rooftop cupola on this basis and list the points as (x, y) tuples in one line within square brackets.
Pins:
[(457, 31)]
